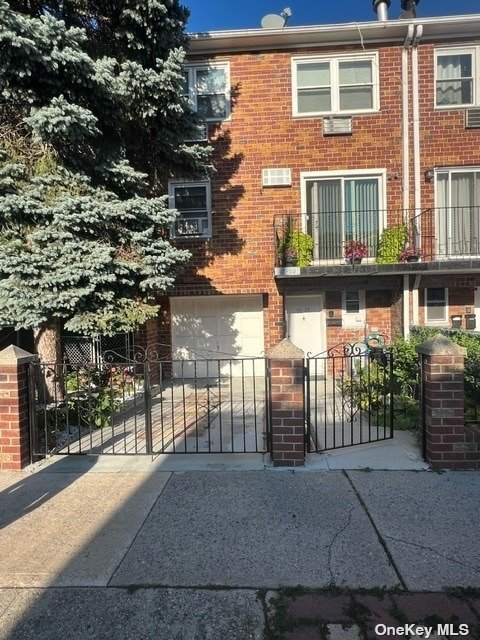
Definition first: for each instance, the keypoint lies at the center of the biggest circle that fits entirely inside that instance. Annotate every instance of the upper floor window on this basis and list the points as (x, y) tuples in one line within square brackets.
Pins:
[(208, 88), (346, 84), (193, 202), (455, 81)]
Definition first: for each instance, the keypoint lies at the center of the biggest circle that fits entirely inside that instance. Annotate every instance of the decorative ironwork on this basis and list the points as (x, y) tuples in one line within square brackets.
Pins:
[(146, 406), (349, 396)]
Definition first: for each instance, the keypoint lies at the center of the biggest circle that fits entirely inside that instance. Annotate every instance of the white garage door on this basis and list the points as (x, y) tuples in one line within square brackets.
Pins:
[(217, 328)]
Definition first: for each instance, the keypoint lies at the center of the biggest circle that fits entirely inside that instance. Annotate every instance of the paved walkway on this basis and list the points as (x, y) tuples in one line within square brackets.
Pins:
[(147, 553)]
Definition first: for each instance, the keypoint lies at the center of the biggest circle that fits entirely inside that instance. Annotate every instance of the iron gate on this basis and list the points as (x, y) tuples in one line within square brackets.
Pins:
[(348, 397), (149, 407)]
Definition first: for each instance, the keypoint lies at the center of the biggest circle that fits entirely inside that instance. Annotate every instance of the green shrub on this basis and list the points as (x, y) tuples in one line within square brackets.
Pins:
[(392, 242), (302, 243)]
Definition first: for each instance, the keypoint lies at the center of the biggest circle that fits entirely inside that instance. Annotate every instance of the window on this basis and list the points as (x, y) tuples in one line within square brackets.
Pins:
[(208, 88), (335, 85), (193, 201), (436, 304), (457, 212), (455, 82), (353, 304), (343, 208)]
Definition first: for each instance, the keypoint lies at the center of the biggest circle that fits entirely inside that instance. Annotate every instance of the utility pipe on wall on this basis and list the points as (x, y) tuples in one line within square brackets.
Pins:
[(405, 121), (416, 119)]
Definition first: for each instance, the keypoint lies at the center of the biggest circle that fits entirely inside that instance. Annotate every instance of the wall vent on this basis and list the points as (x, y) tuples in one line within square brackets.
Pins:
[(472, 118), (337, 126), (276, 177)]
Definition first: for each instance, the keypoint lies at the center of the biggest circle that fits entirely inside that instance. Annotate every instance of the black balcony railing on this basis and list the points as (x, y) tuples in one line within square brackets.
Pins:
[(377, 236)]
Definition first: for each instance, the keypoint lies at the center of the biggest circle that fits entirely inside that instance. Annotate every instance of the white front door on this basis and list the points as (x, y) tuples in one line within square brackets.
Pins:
[(306, 323)]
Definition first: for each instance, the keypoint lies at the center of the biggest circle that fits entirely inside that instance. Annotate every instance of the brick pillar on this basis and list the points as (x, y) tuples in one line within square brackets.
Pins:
[(287, 405), (14, 408), (448, 443)]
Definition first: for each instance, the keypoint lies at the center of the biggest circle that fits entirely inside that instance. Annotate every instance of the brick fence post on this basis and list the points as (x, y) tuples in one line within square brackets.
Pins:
[(447, 442), (14, 408), (287, 405)]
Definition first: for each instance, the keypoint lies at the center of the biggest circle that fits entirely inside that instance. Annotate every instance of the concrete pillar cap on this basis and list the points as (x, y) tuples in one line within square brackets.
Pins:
[(440, 345), (285, 350), (13, 355)]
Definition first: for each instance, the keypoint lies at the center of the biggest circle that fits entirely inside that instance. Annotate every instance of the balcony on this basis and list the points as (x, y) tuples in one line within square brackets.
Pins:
[(444, 239)]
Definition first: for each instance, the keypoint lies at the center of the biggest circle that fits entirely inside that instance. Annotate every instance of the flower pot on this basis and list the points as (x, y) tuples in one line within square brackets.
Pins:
[(413, 258), (290, 262), (355, 260)]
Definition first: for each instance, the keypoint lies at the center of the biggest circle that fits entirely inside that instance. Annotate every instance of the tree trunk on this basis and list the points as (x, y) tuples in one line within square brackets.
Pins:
[(48, 347)]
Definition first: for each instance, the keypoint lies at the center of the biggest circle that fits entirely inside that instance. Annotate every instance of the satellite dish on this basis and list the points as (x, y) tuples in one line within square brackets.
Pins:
[(276, 21)]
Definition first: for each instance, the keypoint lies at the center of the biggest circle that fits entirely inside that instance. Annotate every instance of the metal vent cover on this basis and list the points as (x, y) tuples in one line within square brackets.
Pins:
[(276, 177), (337, 126), (472, 119)]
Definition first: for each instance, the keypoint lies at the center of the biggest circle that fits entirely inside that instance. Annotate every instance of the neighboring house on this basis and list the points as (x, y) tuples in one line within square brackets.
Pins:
[(341, 132)]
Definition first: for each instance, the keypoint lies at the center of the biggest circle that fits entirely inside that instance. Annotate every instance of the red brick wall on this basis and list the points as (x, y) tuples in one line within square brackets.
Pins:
[(239, 258)]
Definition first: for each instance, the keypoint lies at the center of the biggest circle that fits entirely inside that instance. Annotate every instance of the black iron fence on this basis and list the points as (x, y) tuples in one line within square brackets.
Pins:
[(349, 397), (381, 236), (149, 407)]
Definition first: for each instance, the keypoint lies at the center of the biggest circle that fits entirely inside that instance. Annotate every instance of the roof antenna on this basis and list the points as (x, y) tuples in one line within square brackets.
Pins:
[(276, 21)]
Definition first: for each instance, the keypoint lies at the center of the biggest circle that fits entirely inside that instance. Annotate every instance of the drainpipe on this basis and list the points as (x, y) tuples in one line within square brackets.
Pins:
[(406, 306), (405, 122), (416, 120), (416, 285), (406, 168)]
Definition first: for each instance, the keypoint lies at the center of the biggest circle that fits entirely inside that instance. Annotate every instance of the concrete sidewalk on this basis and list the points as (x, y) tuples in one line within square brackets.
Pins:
[(204, 547)]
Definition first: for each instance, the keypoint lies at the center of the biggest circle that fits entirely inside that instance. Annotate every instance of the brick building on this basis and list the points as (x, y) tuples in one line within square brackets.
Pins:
[(323, 136)]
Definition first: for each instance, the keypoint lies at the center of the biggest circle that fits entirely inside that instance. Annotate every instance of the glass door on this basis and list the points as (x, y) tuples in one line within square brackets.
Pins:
[(340, 210), (458, 213)]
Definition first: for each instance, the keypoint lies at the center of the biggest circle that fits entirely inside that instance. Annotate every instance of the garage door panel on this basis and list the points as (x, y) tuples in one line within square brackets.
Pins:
[(220, 327)]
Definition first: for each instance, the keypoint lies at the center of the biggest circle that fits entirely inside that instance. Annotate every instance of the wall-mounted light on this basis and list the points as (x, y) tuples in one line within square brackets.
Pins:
[(429, 175)]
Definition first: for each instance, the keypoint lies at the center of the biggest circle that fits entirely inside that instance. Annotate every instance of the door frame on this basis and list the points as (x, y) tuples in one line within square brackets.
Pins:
[(323, 325)]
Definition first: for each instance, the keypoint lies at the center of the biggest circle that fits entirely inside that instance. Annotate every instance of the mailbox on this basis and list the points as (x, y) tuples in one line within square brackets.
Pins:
[(456, 322), (470, 322)]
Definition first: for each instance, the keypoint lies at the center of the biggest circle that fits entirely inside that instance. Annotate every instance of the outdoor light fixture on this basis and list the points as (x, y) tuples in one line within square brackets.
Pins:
[(429, 175)]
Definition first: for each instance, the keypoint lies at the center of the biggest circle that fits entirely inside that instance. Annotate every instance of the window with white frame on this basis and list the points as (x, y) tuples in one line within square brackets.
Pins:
[(342, 208), (193, 202), (436, 305), (457, 212), (456, 77), (207, 86), (353, 306), (325, 85)]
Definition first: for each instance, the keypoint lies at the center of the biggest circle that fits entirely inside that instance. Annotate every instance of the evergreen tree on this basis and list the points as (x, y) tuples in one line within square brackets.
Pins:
[(87, 142)]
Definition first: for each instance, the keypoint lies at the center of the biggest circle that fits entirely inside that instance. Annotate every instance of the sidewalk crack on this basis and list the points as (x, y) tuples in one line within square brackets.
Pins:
[(438, 553), (335, 538)]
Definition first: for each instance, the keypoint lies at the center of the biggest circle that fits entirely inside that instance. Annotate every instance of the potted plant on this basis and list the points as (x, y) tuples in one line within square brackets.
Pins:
[(291, 255), (412, 254), (355, 251)]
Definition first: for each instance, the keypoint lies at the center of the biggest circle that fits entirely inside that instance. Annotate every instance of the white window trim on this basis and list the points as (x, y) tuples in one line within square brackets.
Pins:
[(372, 56), (192, 94), (451, 51), (172, 185), (350, 320), (446, 307), (449, 170), (381, 174)]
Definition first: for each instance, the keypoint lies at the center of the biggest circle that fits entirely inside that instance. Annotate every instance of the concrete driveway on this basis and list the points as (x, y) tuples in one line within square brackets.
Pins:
[(225, 535)]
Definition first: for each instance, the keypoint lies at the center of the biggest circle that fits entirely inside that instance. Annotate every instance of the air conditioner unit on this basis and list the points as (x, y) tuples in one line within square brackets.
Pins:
[(337, 126), (201, 135), (276, 177), (472, 119)]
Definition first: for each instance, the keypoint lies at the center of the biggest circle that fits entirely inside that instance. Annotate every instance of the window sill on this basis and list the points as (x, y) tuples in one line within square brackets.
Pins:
[(337, 114), (187, 238)]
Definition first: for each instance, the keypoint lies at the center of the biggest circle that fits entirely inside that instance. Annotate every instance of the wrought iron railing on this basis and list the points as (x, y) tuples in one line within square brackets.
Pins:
[(379, 236)]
